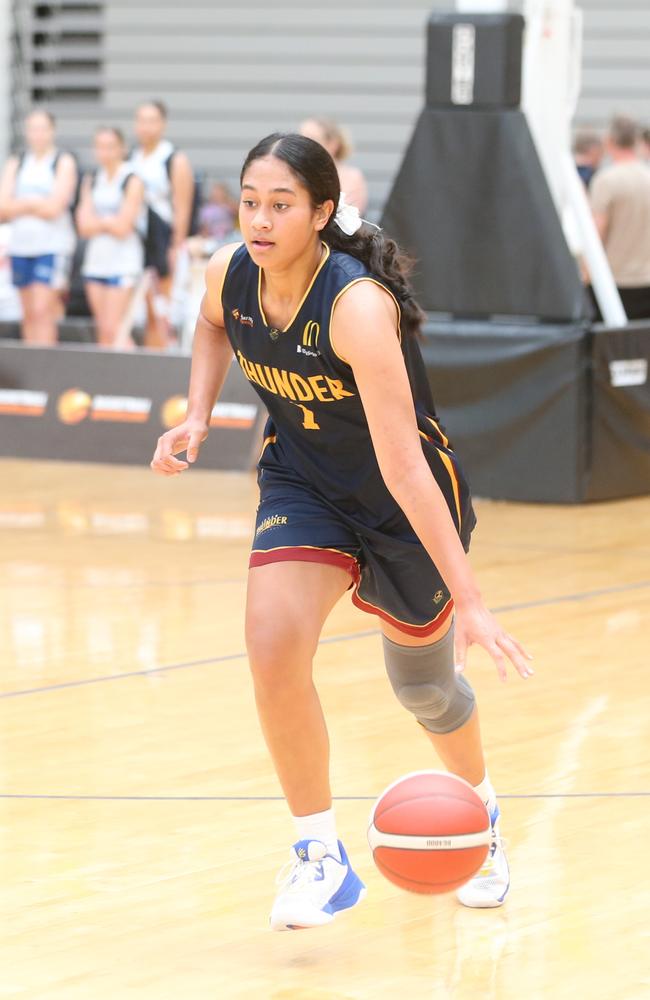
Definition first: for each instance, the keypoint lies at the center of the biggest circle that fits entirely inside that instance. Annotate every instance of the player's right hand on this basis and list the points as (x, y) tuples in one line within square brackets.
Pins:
[(188, 437)]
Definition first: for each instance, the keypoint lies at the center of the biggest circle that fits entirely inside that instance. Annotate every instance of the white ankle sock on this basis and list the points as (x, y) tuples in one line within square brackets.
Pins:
[(486, 792), (319, 826)]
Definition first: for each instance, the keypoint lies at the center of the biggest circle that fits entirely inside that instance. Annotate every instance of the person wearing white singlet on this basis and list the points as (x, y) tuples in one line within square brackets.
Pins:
[(169, 192), (337, 143), (110, 204), (36, 192)]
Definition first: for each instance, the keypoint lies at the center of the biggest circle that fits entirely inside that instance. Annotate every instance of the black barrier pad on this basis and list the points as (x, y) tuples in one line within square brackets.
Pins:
[(620, 442), (471, 204), (105, 406), (513, 400)]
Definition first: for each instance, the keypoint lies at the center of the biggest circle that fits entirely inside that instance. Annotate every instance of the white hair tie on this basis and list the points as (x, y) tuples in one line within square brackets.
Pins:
[(348, 217)]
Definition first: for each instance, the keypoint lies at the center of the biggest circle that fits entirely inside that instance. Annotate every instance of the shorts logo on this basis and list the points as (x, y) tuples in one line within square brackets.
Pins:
[(438, 596), (271, 522), (311, 334)]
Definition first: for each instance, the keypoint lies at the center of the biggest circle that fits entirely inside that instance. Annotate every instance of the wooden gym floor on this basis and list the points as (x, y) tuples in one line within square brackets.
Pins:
[(141, 824)]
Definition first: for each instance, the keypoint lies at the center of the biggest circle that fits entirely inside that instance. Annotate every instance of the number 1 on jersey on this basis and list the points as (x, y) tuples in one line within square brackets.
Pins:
[(309, 420)]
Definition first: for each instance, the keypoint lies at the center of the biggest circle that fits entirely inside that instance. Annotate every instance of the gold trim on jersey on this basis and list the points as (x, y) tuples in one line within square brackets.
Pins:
[(321, 264), (449, 465), (271, 439), (443, 437), (225, 272), (356, 281)]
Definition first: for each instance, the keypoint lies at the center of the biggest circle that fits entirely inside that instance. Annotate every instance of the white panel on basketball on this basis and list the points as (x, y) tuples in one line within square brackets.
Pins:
[(454, 842)]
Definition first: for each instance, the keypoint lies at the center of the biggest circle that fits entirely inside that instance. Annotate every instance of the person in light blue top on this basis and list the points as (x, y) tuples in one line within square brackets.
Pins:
[(36, 193), (111, 201)]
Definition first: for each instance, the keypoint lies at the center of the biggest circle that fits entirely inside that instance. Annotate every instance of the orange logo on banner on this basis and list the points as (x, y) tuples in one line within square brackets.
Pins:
[(73, 406), (173, 411)]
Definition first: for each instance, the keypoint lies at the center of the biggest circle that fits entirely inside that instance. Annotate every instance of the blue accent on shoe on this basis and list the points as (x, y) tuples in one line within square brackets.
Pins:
[(494, 815), (350, 890)]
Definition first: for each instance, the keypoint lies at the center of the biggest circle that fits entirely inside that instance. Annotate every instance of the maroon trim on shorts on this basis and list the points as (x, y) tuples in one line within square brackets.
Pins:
[(300, 553), (332, 557), (429, 628)]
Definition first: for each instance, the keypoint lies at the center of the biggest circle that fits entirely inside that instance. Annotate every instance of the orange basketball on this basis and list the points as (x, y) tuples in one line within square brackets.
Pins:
[(429, 832)]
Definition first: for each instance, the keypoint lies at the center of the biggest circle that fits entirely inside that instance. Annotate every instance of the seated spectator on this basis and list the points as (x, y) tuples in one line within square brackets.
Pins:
[(620, 201), (588, 152), (37, 189), (110, 204), (336, 142), (218, 215)]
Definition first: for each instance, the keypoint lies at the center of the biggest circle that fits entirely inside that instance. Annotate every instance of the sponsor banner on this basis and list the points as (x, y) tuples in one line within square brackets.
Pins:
[(82, 404)]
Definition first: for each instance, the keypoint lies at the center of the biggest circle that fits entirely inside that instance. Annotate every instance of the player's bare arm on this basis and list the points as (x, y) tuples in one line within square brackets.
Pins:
[(211, 358), (364, 332)]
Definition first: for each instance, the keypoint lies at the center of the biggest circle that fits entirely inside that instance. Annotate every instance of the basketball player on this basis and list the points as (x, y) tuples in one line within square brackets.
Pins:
[(168, 181), (359, 487), (111, 201), (36, 192)]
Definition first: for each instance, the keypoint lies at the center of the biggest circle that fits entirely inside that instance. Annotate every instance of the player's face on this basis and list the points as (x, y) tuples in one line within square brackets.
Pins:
[(277, 219), (149, 125), (39, 132), (108, 149)]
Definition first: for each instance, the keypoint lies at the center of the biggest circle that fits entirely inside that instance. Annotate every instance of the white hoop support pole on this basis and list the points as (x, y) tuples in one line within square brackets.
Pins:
[(602, 279)]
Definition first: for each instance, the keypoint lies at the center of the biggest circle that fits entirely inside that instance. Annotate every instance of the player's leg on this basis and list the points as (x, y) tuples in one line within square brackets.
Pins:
[(45, 304), (287, 605), (157, 334), (423, 676), (25, 293), (116, 304), (96, 296)]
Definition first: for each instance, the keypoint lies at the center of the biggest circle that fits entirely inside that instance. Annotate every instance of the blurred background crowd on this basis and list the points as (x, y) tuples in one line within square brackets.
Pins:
[(125, 239)]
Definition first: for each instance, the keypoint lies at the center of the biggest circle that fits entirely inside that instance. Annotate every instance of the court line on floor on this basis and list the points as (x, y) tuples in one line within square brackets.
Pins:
[(280, 798), (151, 671)]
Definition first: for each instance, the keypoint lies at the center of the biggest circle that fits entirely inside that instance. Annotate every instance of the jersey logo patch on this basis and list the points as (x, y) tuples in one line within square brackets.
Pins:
[(311, 333), (246, 320)]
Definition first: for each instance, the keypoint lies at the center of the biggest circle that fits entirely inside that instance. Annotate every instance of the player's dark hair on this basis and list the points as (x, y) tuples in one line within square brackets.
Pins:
[(117, 132), (160, 107), (315, 169), (42, 111)]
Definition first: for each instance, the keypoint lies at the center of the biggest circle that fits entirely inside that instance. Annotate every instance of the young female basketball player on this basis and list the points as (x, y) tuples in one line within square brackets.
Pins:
[(357, 483), (111, 201), (36, 192)]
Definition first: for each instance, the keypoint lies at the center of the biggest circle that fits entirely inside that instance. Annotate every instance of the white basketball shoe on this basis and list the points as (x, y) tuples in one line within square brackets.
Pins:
[(489, 887), (313, 887)]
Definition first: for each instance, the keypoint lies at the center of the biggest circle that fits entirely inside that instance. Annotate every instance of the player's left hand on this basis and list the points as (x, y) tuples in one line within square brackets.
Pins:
[(475, 624)]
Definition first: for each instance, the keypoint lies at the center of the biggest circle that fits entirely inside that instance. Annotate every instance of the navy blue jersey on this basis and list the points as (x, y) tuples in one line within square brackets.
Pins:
[(317, 434)]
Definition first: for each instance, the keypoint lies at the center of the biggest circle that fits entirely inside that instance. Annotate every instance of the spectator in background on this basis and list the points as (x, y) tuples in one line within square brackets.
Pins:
[(644, 145), (338, 145), (588, 151), (37, 190), (620, 201), (110, 205), (169, 194), (218, 216)]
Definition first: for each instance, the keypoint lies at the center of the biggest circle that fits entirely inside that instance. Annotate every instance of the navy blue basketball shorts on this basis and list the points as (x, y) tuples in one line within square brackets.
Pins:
[(392, 575)]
